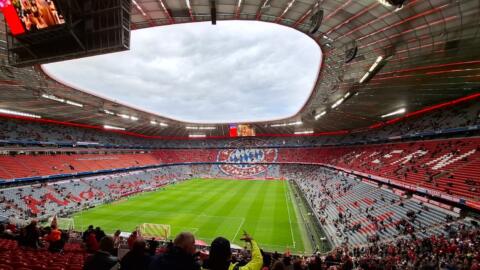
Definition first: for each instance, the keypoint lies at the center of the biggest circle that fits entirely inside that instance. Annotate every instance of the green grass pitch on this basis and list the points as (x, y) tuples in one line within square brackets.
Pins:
[(210, 208)]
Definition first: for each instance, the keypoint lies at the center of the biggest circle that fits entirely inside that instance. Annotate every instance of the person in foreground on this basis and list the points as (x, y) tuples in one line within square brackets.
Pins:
[(181, 256), (221, 255), (102, 259), (137, 258)]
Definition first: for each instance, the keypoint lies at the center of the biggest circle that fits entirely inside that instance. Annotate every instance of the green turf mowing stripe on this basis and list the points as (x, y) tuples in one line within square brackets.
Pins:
[(301, 229), (209, 208)]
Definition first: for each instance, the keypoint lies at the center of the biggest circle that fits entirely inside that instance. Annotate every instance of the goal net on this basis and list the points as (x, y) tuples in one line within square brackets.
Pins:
[(157, 231), (63, 223)]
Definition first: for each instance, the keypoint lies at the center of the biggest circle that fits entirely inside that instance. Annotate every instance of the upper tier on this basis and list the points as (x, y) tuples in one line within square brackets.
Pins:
[(462, 118)]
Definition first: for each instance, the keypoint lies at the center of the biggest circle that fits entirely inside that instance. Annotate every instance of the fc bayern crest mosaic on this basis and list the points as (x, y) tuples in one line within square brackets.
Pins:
[(242, 161)]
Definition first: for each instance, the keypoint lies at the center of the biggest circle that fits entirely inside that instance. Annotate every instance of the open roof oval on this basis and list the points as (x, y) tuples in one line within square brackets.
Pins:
[(236, 71)]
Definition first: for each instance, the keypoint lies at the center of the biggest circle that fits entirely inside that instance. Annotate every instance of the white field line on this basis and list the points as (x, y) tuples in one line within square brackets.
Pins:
[(238, 230), (194, 215), (287, 198)]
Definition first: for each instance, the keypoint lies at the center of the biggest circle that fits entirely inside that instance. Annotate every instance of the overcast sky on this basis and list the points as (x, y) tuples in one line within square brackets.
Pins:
[(233, 72)]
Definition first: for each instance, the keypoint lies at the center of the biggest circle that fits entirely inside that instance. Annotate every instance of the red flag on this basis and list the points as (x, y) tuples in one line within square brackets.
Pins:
[(233, 131)]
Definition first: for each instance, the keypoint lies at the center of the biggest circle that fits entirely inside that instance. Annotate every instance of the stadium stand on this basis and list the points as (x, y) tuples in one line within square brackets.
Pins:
[(346, 187), (337, 193), (65, 197), (459, 118), (363, 219), (21, 166), (457, 250), (13, 257), (405, 254), (354, 212), (446, 166)]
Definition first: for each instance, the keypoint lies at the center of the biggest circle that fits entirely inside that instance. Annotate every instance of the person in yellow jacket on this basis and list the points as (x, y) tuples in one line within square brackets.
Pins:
[(221, 255)]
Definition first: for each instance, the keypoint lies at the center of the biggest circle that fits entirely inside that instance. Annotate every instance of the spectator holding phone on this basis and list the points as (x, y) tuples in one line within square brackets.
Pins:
[(221, 255)]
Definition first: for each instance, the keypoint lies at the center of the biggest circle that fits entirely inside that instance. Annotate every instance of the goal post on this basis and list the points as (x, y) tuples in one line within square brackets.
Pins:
[(157, 231), (63, 223)]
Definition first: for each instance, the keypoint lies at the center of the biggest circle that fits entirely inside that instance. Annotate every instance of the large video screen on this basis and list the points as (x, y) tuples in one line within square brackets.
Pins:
[(244, 130), (241, 130), (38, 14)]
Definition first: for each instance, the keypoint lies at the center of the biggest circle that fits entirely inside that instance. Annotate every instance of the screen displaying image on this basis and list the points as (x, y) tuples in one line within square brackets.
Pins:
[(245, 131), (38, 14), (3, 3)]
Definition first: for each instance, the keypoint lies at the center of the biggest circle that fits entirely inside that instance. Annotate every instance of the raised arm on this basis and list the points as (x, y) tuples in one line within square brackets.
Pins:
[(256, 262)]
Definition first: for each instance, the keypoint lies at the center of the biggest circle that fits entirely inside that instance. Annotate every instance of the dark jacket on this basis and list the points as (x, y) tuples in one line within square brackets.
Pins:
[(101, 260), (175, 259), (135, 261), (32, 234)]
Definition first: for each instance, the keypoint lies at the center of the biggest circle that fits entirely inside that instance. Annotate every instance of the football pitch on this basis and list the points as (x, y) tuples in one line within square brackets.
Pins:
[(211, 208)]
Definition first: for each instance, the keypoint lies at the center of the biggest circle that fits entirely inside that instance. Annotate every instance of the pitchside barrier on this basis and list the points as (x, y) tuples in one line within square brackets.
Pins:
[(157, 231)]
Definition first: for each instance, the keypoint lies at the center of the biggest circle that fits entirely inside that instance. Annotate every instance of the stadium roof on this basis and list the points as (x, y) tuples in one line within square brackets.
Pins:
[(230, 72), (428, 55)]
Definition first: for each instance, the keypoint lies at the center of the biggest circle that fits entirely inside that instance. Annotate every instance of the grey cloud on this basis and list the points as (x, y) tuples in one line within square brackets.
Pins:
[(232, 72)]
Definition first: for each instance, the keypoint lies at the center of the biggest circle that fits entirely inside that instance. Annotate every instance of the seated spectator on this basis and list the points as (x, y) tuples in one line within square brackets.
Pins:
[(6, 233), (117, 240), (278, 265), (31, 235), (131, 239), (11, 227), (102, 259), (54, 239), (87, 232), (180, 257), (99, 233), (91, 242), (116, 236), (221, 255), (152, 246), (137, 258), (316, 263)]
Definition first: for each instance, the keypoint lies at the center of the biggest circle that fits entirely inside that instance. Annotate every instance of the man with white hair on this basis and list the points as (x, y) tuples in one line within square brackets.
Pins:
[(180, 257)]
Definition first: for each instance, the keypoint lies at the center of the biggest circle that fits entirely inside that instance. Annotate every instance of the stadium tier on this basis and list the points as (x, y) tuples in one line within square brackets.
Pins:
[(443, 167), (24, 166), (356, 212), (330, 193), (13, 257), (458, 118), (68, 196)]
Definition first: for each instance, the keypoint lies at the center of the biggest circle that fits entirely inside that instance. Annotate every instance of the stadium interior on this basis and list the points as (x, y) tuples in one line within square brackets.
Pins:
[(380, 169)]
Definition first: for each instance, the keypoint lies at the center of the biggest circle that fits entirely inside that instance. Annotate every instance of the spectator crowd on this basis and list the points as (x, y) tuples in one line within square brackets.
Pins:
[(458, 250)]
